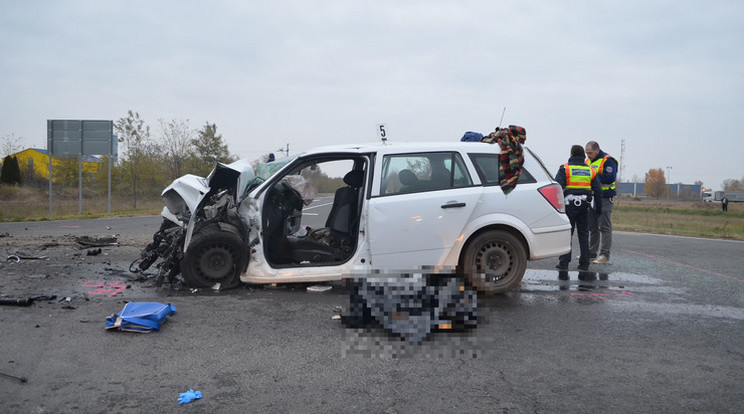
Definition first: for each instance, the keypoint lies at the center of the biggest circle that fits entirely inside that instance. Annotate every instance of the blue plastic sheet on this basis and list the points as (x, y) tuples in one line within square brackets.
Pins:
[(140, 317)]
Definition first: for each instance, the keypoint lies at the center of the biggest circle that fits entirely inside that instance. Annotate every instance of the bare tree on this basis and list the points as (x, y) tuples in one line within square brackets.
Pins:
[(135, 136), (10, 144), (731, 184), (176, 137)]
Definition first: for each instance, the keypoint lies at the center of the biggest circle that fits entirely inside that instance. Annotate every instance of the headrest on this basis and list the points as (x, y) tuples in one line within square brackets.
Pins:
[(407, 177), (354, 178)]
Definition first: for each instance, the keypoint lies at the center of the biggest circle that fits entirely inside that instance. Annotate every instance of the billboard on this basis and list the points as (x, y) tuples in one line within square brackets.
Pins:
[(80, 137)]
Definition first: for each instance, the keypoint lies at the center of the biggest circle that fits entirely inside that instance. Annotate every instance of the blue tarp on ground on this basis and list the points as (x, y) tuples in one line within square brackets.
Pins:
[(140, 317)]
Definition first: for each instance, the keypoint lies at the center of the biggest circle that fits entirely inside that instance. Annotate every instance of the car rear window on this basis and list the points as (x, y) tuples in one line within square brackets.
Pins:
[(487, 166)]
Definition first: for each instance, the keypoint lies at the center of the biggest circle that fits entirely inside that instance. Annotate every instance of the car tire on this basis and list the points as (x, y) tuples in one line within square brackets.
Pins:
[(494, 261), (214, 256)]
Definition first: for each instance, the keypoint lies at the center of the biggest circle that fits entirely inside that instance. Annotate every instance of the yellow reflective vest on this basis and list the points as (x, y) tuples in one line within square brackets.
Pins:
[(598, 165), (579, 177)]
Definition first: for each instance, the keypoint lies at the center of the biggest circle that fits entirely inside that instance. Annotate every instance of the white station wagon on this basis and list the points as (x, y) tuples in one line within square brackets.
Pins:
[(347, 210)]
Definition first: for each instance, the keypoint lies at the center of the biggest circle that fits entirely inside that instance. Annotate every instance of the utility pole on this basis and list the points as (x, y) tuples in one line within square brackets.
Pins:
[(284, 151), (669, 180)]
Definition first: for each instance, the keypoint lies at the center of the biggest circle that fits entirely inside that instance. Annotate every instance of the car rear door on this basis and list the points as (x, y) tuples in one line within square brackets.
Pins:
[(415, 219)]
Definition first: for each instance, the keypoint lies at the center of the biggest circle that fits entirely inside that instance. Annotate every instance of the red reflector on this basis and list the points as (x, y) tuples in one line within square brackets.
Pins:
[(554, 194)]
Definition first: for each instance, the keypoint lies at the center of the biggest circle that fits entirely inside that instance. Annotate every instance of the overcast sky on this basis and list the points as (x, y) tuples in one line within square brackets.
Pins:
[(665, 76)]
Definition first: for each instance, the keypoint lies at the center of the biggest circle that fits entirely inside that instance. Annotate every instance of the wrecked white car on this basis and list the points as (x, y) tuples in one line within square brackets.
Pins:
[(348, 210)]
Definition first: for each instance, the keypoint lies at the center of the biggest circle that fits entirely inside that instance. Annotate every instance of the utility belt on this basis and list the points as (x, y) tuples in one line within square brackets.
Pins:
[(578, 200)]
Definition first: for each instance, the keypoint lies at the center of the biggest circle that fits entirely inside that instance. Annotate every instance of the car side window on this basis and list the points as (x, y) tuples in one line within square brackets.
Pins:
[(431, 171), (461, 175), (487, 166)]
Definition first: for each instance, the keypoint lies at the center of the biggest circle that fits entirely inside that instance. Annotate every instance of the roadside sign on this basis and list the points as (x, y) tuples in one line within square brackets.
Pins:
[(74, 137)]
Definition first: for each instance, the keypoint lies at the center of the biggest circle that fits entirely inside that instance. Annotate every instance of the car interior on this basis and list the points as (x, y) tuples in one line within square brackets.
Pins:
[(287, 244)]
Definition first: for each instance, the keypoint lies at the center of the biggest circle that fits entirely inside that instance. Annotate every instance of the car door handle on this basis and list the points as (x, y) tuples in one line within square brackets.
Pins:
[(453, 205)]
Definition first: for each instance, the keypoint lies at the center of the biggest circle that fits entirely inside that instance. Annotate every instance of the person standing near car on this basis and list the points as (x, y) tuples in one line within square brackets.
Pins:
[(600, 225), (581, 186), (724, 203)]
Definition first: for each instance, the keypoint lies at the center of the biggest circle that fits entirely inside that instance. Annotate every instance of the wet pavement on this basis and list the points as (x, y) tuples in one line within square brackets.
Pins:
[(658, 330)]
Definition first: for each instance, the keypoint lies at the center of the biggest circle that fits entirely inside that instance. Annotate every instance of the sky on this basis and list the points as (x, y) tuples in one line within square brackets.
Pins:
[(658, 84)]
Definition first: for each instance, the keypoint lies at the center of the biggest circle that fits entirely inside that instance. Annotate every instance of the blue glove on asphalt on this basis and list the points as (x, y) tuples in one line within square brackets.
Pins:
[(188, 396)]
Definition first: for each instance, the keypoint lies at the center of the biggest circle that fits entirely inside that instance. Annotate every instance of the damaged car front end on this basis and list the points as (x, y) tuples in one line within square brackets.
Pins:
[(202, 236)]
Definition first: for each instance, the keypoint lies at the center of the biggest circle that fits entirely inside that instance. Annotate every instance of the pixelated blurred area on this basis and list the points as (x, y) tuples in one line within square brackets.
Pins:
[(377, 343), (409, 305)]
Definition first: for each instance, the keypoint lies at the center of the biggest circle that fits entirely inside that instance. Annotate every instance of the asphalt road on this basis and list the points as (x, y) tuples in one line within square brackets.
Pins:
[(659, 330)]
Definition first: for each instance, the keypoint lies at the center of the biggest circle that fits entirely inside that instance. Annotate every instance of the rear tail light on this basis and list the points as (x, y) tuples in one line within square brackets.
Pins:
[(554, 194)]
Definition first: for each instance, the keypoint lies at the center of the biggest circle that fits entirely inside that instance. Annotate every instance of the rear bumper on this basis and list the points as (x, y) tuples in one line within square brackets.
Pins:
[(551, 242)]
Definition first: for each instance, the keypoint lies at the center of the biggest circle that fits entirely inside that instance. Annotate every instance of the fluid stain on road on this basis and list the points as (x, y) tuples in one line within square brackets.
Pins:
[(551, 280)]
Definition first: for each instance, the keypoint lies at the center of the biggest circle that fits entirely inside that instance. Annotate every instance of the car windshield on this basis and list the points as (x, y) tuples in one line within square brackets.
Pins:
[(265, 171)]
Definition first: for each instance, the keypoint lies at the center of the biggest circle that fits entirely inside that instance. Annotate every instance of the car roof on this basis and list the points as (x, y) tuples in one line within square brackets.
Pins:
[(417, 146)]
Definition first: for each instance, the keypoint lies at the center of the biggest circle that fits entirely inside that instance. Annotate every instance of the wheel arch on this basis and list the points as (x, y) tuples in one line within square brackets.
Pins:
[(231, 228), (504, 227)]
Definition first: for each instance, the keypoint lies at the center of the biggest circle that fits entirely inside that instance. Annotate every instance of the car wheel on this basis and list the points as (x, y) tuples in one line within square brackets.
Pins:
[(214, 256), (494, 262)]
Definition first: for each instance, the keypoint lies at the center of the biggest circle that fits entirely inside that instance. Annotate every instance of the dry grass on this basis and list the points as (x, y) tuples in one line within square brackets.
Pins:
[(29, 204), (682, 218)]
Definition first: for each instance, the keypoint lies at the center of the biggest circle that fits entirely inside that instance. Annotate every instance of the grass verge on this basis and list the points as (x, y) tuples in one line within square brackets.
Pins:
[(680, 220)]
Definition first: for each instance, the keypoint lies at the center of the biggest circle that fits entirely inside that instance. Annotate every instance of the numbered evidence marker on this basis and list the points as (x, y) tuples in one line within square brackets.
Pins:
[(382, 131)]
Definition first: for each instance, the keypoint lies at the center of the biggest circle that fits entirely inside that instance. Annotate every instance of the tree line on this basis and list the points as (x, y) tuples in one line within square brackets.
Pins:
[(149, 160), (152, 161), (656, 184)]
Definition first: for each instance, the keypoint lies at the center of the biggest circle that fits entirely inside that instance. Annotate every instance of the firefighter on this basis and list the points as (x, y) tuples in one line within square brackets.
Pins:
[(581, 190)]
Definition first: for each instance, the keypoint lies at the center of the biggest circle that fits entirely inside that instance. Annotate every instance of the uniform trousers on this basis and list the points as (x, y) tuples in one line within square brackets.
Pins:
[(600, 229), (578, 216)]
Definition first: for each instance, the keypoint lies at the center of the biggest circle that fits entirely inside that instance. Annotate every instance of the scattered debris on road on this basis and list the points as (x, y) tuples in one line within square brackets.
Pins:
[(319, 288), (18, 256), (19, 379), (16, 301), (87, 241), (7, 301)]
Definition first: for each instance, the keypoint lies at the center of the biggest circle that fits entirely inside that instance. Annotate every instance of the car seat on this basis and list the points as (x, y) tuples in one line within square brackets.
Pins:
[(335, 242), (345, 202)]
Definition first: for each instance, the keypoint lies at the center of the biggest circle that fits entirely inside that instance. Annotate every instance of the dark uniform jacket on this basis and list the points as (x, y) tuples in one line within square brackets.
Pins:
[(560, 177)]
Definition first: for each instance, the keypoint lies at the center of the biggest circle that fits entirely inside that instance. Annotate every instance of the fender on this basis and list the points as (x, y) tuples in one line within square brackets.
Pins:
[(490, 220)]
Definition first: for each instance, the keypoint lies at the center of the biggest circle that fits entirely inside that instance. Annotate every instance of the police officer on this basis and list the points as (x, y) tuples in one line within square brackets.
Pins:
[(601, 224), (581, 186)]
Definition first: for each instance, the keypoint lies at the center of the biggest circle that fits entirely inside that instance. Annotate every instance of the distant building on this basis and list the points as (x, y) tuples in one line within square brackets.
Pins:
[(679, 190), (34, 163)]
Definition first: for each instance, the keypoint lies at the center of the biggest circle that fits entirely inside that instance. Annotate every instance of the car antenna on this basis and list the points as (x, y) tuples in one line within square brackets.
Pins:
[(502, 118)]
